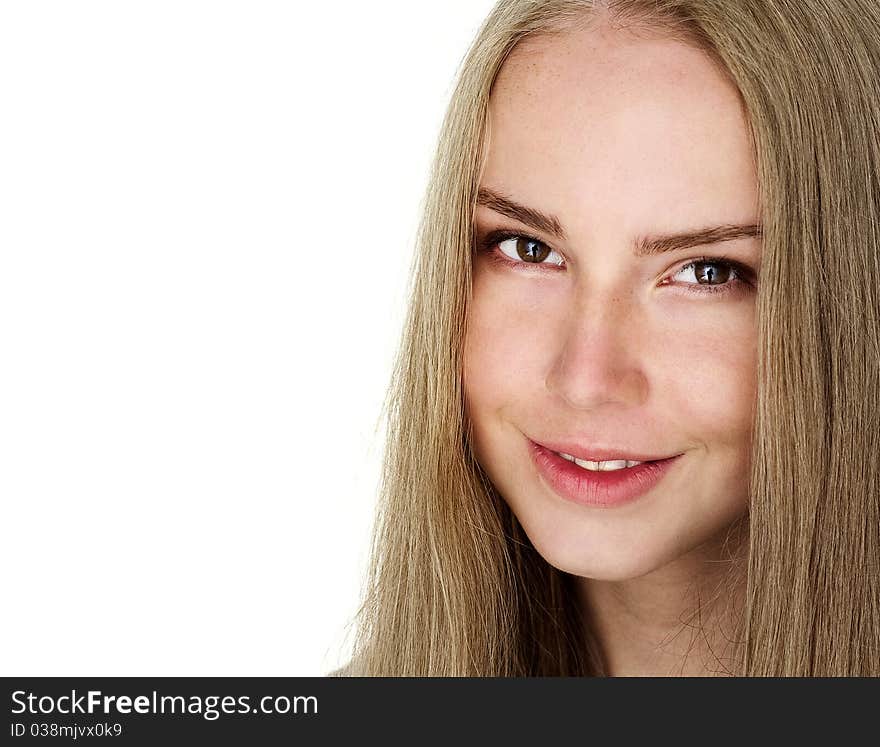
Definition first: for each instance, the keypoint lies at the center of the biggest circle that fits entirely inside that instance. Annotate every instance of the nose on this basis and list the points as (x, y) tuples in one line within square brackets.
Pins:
[(599, 355)]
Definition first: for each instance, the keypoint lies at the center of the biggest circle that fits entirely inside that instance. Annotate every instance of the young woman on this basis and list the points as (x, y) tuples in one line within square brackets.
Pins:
[(634, 426)]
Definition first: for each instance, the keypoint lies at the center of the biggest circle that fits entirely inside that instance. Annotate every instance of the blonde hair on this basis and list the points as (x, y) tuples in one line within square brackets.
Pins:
[(454, 586)]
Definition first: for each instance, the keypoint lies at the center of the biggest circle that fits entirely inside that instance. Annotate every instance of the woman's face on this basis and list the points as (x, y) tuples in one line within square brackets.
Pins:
[(577, 338)]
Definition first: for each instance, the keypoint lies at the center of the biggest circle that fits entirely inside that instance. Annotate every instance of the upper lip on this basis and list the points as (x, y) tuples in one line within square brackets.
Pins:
[(600, 453)]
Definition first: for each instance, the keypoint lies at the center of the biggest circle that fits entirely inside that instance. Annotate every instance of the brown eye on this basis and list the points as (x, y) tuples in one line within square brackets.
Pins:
[(716, 275), (528, 250), (531, 251), (712, 273)]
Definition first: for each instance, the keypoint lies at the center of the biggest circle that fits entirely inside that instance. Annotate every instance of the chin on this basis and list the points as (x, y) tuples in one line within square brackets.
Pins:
[(600, 560), (603, 568)]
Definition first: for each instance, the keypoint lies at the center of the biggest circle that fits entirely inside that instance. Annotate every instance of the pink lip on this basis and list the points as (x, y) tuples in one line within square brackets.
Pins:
[(598, 489)]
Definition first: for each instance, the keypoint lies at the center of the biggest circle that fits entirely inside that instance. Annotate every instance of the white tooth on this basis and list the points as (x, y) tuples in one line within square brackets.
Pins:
[(612, 465)]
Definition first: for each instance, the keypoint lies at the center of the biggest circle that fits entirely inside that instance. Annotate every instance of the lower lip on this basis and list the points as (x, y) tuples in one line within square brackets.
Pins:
[(598, 489)]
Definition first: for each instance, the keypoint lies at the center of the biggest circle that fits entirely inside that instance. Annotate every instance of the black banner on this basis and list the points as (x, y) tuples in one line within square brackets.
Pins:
[(317, 710)]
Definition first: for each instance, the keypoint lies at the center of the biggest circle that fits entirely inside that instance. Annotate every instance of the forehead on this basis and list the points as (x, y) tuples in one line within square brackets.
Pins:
[(603, 127)]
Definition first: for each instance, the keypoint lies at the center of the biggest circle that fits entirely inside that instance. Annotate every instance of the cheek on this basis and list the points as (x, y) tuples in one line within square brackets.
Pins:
[(507, 346), (482, 377), (501, 364), (708, 376)]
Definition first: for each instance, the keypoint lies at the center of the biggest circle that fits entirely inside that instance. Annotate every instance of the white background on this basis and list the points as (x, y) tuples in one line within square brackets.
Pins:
[(207, 217)]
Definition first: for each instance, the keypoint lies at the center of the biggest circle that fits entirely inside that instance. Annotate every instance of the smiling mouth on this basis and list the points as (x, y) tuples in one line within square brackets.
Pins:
[(599, 488)]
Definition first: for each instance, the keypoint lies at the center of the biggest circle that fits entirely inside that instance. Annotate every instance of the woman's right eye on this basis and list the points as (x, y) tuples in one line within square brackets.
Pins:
[(525, 250)]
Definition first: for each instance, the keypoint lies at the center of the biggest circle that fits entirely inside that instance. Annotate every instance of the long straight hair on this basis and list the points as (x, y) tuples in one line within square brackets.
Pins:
[(454, 587)]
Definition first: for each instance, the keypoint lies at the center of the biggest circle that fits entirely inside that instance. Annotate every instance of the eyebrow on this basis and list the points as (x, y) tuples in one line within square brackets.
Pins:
[(644, 246)]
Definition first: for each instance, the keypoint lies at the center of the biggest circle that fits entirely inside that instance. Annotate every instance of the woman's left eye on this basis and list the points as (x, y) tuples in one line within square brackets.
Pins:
[(714, 274)]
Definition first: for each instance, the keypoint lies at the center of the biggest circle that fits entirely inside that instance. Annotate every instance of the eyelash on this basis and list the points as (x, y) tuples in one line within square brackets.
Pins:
[(743, 275)]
